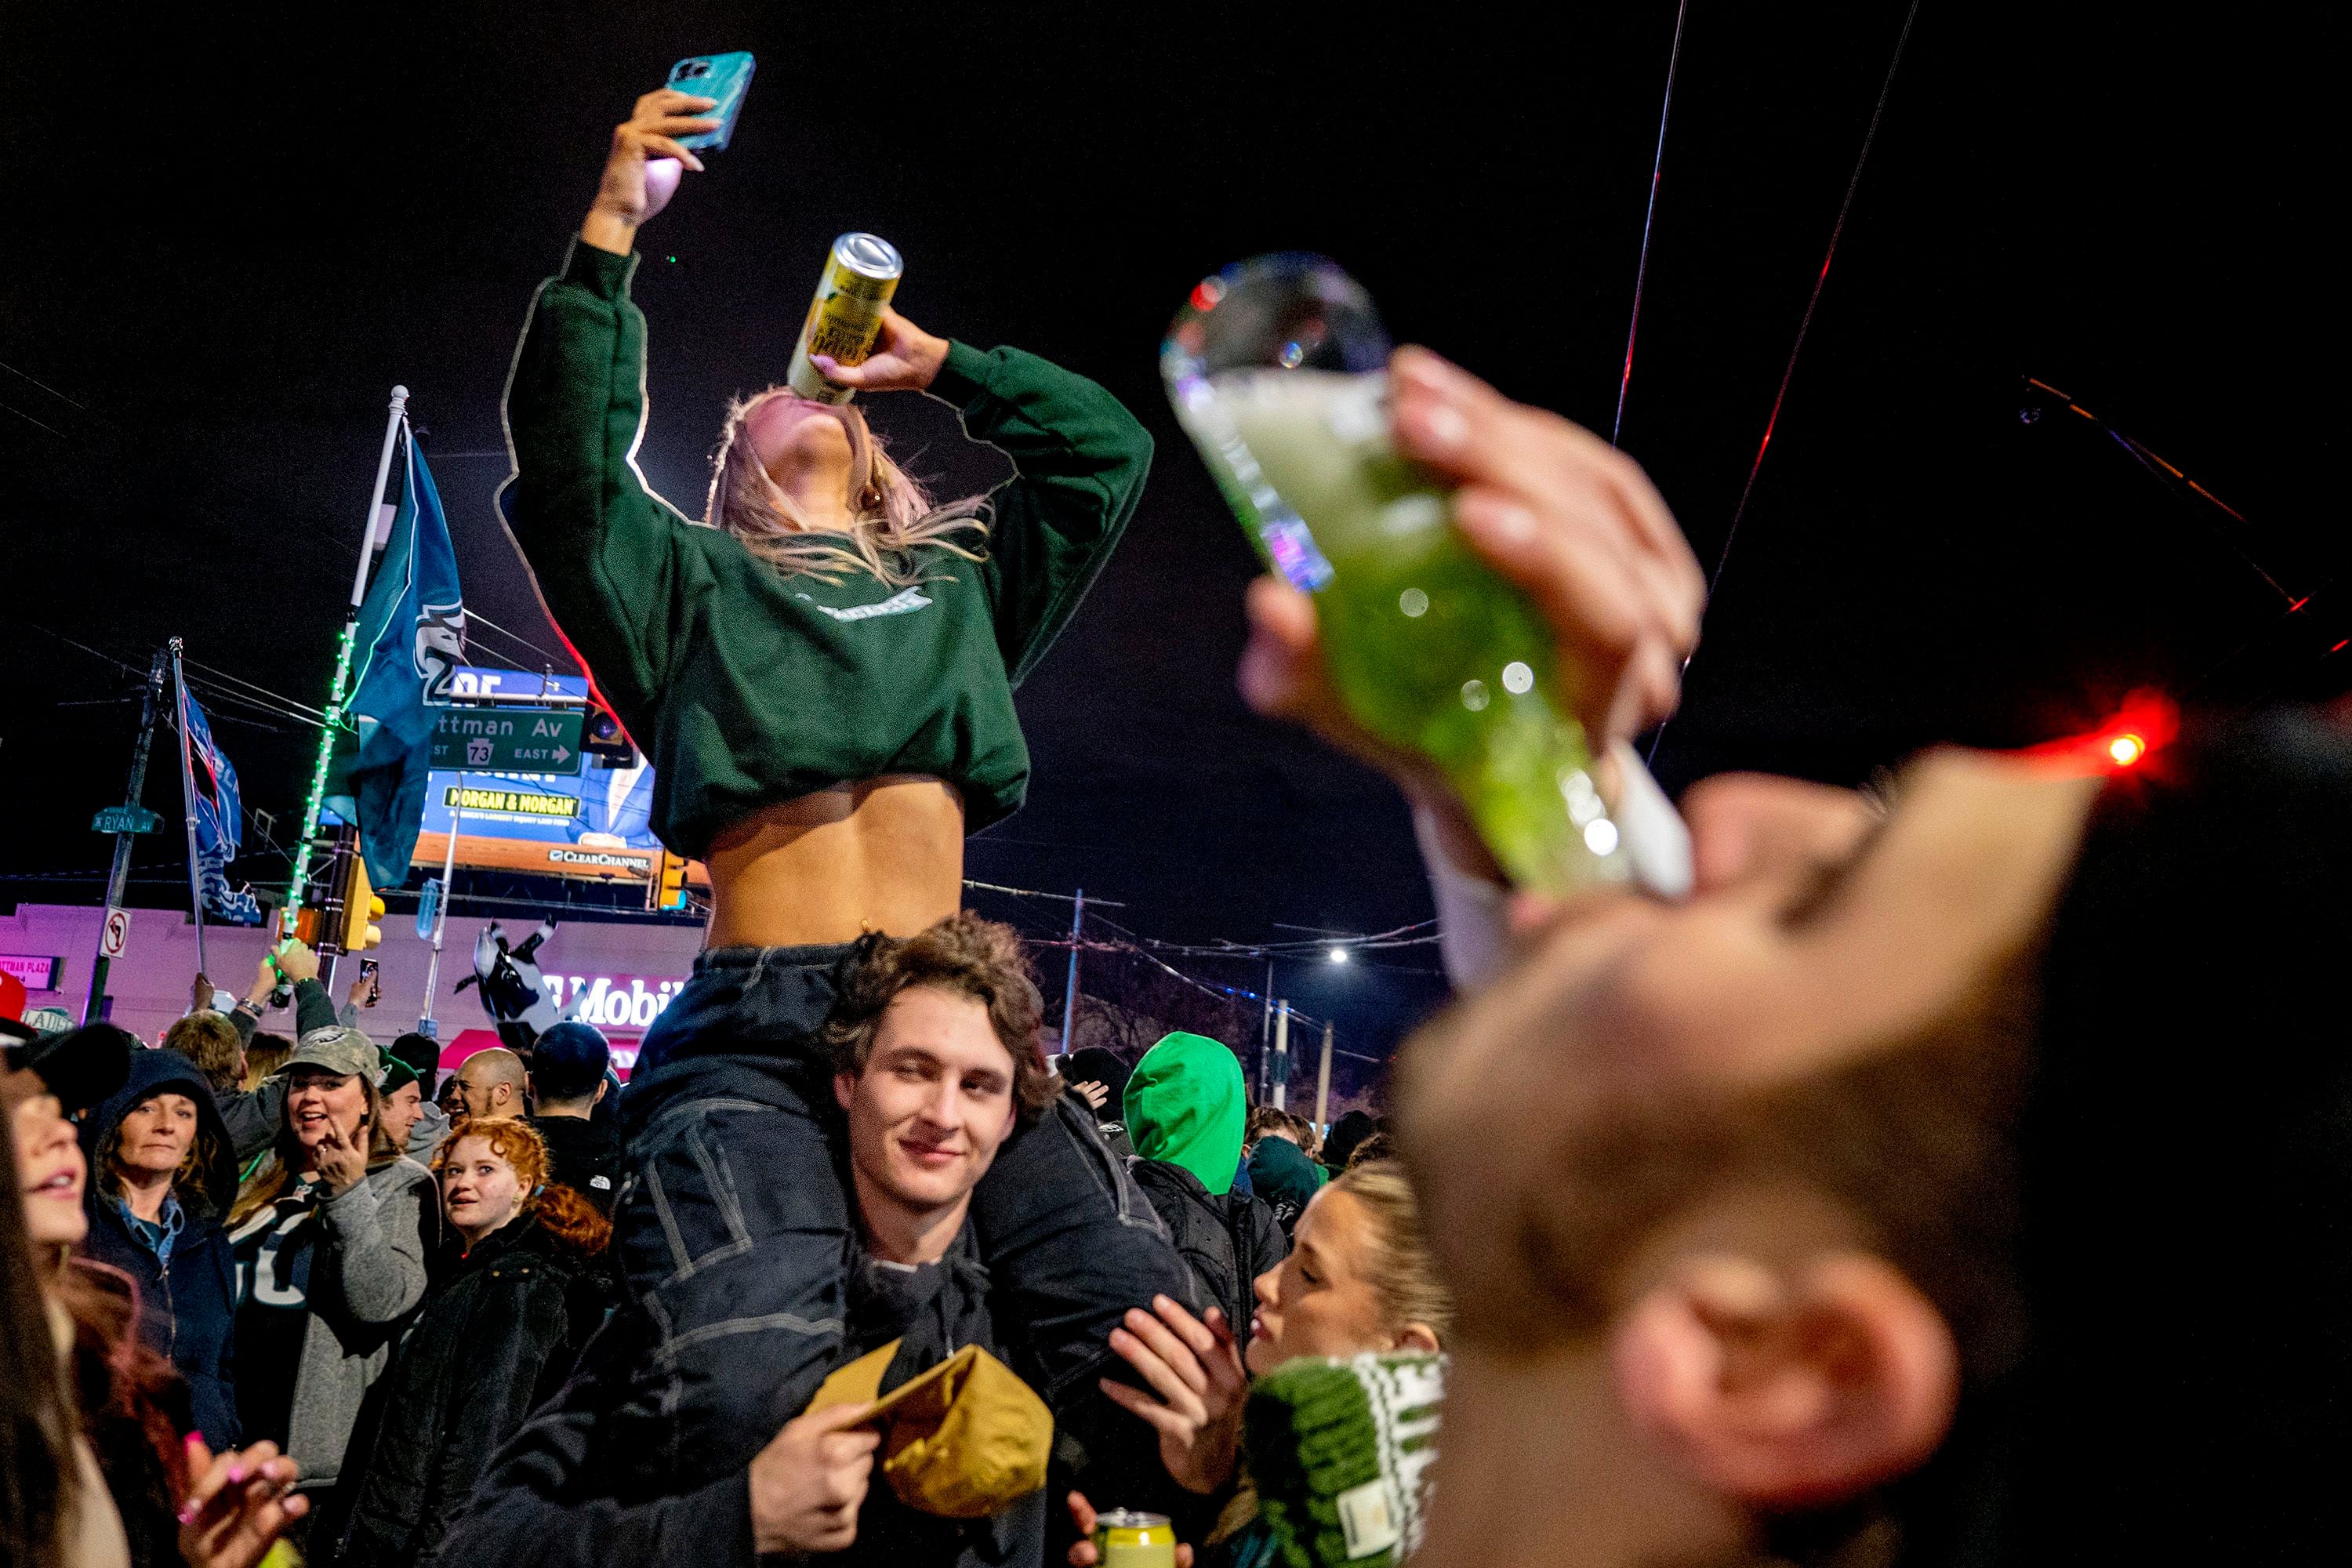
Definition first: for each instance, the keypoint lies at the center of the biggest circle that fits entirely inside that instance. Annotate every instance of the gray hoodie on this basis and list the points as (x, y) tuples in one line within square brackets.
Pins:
[(366, 1277)]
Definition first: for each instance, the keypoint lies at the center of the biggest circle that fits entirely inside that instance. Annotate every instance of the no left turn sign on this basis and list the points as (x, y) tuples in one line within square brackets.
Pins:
[(115, 934)]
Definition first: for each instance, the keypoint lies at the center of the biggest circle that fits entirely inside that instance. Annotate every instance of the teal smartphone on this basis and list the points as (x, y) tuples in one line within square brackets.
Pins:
[(726, 78)]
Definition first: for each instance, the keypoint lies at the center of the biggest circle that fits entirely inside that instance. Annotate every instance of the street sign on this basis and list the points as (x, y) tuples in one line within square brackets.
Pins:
[(508, 740), (125, 819), (115, 934)]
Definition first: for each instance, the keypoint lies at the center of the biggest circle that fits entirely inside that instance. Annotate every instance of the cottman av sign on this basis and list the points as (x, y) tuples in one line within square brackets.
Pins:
[(544, 741)]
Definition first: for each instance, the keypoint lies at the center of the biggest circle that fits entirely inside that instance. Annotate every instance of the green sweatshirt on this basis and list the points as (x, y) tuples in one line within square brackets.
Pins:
[(745, 686), (1185, 1105)]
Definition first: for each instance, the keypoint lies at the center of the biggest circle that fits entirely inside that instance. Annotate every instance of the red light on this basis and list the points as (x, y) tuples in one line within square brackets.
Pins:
[(1206, 294), (2148, 721)]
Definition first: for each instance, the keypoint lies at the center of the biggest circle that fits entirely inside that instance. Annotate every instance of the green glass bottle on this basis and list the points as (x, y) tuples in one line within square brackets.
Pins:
[(1277, 369)]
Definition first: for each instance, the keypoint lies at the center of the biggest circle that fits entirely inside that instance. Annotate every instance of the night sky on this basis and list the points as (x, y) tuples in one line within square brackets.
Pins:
[(226, 238)]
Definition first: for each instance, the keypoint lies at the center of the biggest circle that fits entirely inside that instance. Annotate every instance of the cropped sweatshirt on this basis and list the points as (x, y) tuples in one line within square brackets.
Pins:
[(744, 686)]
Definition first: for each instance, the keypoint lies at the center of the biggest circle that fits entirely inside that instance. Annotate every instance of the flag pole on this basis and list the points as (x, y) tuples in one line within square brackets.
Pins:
[(426, 1026), (334, 720), (188, 802)]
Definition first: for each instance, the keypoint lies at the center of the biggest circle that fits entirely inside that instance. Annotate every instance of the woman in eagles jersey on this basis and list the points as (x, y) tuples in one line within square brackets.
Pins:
[(821, 673)]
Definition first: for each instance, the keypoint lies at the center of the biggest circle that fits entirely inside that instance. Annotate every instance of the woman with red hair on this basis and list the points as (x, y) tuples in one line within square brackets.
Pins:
[(498, 1337)]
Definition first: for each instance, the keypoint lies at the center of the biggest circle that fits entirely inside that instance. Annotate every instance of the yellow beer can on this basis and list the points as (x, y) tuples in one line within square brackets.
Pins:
[(860, 276), (1130, 1539)]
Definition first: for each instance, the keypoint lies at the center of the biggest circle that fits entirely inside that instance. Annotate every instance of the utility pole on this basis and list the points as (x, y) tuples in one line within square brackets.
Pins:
[(120, 878), (1281, 1054), (1070, 993), (1265, 1027), (1323, 1083)]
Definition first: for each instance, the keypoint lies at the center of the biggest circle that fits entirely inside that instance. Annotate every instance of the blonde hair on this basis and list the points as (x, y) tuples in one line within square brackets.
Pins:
[(1402, 1272), (893, 517)]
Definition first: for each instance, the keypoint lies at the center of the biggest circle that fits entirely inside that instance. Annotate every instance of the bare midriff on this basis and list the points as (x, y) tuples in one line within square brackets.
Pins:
[(886, 855)]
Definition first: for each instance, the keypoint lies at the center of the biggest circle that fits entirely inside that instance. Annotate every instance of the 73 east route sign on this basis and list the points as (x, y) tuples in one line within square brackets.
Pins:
[(508, 740)]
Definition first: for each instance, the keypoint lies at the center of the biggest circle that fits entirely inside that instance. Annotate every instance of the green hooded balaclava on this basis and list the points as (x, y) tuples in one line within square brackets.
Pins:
[(1184, 1106)]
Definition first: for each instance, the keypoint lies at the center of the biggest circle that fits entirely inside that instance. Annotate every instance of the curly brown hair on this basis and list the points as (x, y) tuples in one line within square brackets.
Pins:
[(211, 1042), (564, 1213), (967, 956)]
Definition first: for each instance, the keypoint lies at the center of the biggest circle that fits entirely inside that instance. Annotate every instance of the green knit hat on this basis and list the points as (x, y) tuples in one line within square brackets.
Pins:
[(1340, 1450)]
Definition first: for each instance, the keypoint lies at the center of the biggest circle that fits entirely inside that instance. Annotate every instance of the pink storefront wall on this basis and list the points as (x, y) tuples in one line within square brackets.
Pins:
[(638, 964)]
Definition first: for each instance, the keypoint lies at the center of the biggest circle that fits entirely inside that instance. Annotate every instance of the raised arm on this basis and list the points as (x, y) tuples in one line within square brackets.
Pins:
[(1080, 458), (602, 547)]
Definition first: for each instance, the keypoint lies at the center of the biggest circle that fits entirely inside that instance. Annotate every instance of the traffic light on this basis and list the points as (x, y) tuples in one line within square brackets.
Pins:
[(602, 737), (348, 913), (361, 910), (670, 880)]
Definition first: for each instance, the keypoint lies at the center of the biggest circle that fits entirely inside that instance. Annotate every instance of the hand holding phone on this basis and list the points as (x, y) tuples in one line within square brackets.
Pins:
[(722, 79), (642, 171)]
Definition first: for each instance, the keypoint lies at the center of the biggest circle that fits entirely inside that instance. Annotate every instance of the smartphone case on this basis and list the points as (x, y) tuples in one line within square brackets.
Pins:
[(726, 78)]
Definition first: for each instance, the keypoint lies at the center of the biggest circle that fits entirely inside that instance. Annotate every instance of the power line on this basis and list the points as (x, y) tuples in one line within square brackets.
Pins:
[(318, 715), (1821, 279), (1804, 324), (473, 614), (1649, 213)]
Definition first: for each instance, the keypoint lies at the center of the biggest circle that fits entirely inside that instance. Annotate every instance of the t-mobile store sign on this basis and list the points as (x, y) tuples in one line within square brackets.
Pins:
[(613, 1001)]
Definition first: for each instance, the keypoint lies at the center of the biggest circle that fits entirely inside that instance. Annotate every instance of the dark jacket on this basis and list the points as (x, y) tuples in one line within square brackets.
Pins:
[(1282, 1175), (550, 1495), (1227, 1241), (187, 1308), (496, 1340), (584, 1154)]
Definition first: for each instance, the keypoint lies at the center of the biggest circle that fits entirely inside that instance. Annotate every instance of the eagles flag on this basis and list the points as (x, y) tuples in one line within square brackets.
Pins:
[(411, 639), (220, 815)]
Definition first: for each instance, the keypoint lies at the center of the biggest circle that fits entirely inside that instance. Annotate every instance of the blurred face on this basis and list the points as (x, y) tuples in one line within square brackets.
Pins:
[(1316, 1302), (157, 1134), (792, 436), (401, 1107), (482, 1094), (49, 1169), (933, 1105), (315, 1100), (479, 1189), (1656, 1359), (453, 1096), (1817, 934)]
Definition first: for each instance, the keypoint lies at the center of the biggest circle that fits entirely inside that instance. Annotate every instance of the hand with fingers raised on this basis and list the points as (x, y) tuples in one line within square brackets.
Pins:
[(1195, 1369), (236, 1504), (341, 1161), (645, 165)]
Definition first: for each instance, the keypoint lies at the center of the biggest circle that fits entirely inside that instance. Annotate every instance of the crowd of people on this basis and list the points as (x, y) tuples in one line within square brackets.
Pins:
[(1957, 1177)]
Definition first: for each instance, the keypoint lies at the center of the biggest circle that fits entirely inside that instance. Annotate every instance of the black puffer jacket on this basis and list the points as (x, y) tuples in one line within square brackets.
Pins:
[(1227, 1241), (499, 1337)]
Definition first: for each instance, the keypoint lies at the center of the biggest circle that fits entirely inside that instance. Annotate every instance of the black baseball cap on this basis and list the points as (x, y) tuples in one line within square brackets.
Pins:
[(80, 1067)]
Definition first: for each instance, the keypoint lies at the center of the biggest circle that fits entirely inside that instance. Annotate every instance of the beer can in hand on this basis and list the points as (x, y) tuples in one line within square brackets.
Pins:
[(846, 317), (1130, 1539)]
